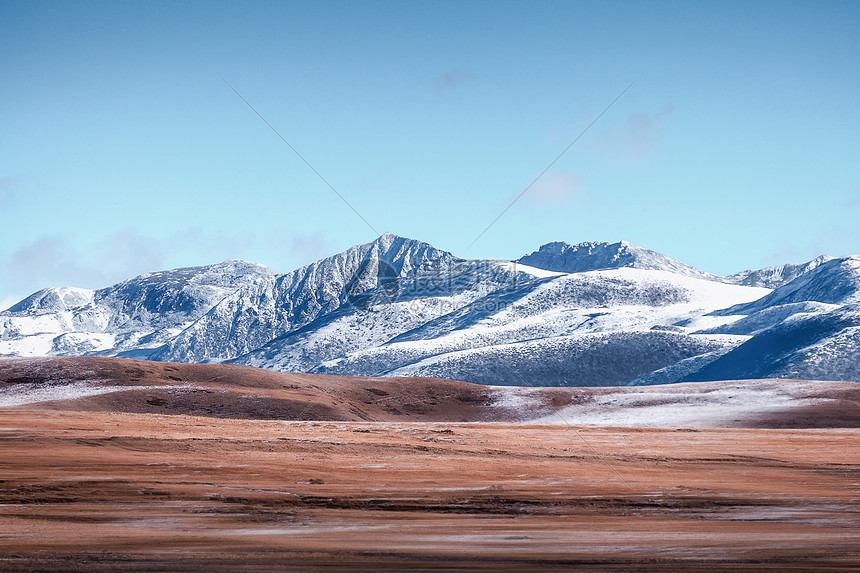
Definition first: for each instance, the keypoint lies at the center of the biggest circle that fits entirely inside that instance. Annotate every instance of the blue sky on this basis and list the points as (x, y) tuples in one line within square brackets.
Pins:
[(122, 150)]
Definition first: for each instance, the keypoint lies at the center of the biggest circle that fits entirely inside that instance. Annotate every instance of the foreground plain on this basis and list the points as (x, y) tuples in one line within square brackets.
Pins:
[(136, 492), (116, 465)]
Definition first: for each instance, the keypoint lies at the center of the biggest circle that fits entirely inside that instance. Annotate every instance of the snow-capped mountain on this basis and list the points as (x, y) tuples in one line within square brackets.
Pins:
[(836, 281), (249, 318), (566, 258), (208, 313), (137, 315), (774, 277), (807, 328), (593, 328), (588, 314)]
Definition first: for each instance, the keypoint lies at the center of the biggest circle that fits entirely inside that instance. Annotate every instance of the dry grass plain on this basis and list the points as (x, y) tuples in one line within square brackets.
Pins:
[(84, 487)]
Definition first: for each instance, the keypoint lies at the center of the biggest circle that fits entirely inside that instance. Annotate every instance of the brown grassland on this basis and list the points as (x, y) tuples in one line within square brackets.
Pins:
[(126, 482)]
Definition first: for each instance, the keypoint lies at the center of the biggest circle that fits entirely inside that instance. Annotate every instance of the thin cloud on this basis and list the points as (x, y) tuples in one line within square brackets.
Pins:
[(306, 248), (452, 80), (638, 136), (58, 260), (48, 259), (554, 188), (132, 253), (854, 202), (197, 244), (8, 191), (785, 252)]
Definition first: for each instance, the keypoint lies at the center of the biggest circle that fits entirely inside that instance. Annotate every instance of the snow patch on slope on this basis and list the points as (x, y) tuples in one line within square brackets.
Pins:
[(685, 405), (34, 394)]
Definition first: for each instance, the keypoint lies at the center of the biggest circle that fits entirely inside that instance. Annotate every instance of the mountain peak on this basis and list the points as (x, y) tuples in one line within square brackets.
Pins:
[(832, 281), (591, 256), (775, 277), (387, 237), (387, 240), (53, 299)]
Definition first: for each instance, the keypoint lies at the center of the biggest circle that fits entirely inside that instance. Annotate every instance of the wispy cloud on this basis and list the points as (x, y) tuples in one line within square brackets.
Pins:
[(854, 202), (638, 136), (833, 241), (305, 249), (451, 80), (55, 260), (45, 258), (211, 247), (786, 252), (132, 253), (8, 191), (556, 187), (58, 260)]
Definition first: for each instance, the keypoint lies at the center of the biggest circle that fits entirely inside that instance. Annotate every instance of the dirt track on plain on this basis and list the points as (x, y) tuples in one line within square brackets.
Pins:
[(100, 491)]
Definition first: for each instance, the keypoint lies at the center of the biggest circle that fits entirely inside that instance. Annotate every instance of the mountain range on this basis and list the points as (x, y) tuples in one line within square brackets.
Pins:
[(592, 314)]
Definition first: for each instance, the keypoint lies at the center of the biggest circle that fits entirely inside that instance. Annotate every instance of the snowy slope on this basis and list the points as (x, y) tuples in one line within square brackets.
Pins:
[(135, 315), (775, 277), (808, 328), (601, 327), (817, 346), (208, 313), (587, 314), (425, 297), (727, 404), (836, 281), (249, 319)]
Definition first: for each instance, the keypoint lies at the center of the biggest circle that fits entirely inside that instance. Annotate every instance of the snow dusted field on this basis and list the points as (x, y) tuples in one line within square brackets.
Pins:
[(52, 392), (704, 405), (105, 491)]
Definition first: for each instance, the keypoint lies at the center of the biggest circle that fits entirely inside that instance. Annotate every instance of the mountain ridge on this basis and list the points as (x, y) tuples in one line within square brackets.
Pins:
[(592, 256), (605, 313), (560, 256)]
